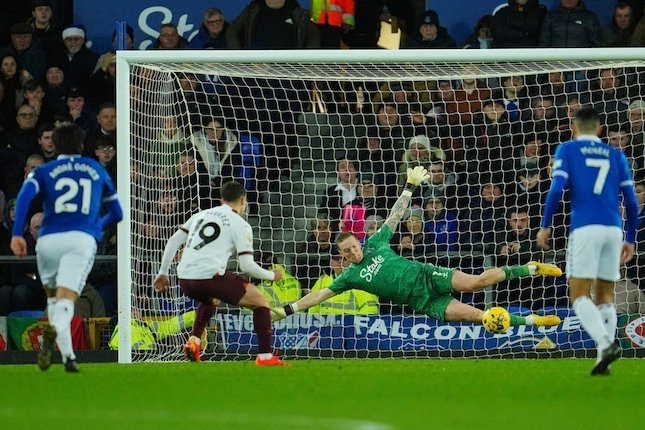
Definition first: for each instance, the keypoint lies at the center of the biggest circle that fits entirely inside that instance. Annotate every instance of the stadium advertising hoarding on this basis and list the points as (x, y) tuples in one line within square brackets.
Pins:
[(399, 332)]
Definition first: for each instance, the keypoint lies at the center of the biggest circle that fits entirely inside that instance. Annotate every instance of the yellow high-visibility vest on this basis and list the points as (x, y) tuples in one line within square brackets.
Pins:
[(286, 290), (352, 302)]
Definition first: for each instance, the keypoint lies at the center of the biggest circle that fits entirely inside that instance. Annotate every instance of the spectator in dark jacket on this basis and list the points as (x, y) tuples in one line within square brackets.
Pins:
[(273, 24), (76, 60), (30, 57), (46, 30), (431, 34), (169, 38), (619, 31), (484, 35), (518, 24), (212, 33), (571, 25)]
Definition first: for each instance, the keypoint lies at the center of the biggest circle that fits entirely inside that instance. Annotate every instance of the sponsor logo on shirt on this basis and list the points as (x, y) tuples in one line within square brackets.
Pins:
[(371, 270), (442, 274)]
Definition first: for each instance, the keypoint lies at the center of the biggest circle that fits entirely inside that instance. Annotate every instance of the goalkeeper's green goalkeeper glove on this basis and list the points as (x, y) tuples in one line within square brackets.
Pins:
[(416, 176)]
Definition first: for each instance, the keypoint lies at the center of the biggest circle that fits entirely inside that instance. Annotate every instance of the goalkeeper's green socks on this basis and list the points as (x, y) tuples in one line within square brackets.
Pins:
[(520, 320), (514, 272)]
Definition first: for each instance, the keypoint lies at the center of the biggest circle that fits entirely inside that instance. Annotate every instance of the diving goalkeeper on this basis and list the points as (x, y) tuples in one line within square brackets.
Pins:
[(427, 288)]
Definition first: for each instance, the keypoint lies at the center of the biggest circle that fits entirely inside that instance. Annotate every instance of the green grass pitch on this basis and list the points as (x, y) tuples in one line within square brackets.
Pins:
[(325, 395)]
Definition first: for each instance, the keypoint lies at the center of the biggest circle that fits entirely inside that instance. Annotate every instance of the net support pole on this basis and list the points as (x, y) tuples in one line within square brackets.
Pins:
[(124, 227)]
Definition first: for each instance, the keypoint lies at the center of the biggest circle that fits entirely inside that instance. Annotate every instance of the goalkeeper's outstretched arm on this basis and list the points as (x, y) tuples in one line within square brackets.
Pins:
[(415, 177), (311, 299)]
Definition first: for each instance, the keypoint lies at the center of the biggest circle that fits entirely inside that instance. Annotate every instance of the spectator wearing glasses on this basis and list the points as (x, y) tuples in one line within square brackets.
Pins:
[(212, 33)]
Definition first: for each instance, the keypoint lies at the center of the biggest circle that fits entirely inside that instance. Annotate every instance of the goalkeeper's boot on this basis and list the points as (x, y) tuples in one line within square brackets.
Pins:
[(546, 320), (545, 269), (71, 366), (191, 349), (47, 348), (273, 361), (607, 356)]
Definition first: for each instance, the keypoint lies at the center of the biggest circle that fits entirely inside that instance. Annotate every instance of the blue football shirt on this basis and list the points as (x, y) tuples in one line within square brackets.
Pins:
[(73, 189), (595, 174)]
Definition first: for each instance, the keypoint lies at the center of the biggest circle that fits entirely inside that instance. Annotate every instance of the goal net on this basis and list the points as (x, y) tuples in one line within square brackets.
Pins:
[(321, 141)]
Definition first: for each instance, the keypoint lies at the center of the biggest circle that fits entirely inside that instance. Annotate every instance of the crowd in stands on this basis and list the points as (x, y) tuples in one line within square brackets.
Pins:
[(487, 142)]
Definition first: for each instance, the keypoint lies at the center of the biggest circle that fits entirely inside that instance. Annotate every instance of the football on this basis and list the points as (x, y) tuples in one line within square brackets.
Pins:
[(496, 320)]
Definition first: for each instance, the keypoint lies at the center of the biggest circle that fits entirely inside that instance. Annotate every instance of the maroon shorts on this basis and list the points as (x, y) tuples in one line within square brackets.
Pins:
[(229, 288)]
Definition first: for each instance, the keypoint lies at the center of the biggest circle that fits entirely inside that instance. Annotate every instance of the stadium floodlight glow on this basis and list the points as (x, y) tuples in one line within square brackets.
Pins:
[(308, 109)]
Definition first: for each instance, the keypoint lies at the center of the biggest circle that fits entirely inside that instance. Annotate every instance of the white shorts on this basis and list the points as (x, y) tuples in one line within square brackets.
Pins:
[(65, 259), (594, 252)]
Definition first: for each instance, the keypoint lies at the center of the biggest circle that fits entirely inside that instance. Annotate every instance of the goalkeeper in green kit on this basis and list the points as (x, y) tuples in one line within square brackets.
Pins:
[(427, 288)]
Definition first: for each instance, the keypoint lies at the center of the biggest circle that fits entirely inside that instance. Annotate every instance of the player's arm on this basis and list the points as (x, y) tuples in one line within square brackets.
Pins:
[(311, 299), (162, 282), (251, 268), (27, 193), (553, 197), (631, 209), (114, 213), (415, 177)]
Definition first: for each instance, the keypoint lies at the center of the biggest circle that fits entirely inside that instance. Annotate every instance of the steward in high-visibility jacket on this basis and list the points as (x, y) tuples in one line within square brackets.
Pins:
[(146, 333), (335, 13), (286, 290), (352, 302)]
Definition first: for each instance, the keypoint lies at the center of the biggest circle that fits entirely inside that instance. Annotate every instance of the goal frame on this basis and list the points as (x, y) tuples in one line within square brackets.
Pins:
[(125, 59)]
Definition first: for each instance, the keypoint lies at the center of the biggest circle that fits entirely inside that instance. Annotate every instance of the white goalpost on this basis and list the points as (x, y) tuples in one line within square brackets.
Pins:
[(484, 122)]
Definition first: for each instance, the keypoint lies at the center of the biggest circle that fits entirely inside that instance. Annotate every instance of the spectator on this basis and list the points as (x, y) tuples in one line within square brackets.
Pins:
[(339, 195), (609, 96), (45, 29), (105, 152), (19, 144), (103, 81), (169, 38), (27, 292), (543, 121), (378, 157), (218, 153), (170, 141), (442, 183), (12, 79), (441, 226), (484, 35), (192, 188), (56, 89), (628, 297), (47, 147), (129, 44), (430, 34), (620, 138), (420, 152), (372, 224), (30, 57), (212, 33), (469, 99), (634, 124), (81, 114), (76, 60), (528, 191), (619, 31), (518, 24), (106, 121), (487, 214), (313, 255), (34, 96), (513, 95), (333, 18), (571, 25), (273, 24), (411, 240), (516, 244)]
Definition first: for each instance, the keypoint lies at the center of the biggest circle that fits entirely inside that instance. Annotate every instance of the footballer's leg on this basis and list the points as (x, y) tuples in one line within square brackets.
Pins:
[(466, 283), (461, 312), (255, 300), (204, 313)]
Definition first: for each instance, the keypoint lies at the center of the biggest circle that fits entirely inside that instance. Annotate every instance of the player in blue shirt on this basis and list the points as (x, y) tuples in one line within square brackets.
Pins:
[(73, 189), (596, 175)]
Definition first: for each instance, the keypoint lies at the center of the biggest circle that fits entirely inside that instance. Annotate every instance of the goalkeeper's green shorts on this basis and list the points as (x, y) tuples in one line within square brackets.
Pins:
[(438, 283)]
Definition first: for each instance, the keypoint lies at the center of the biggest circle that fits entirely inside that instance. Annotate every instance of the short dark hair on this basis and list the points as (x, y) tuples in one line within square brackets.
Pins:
[(587, 119), (231, 191), (44, 127), (68, 139)]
